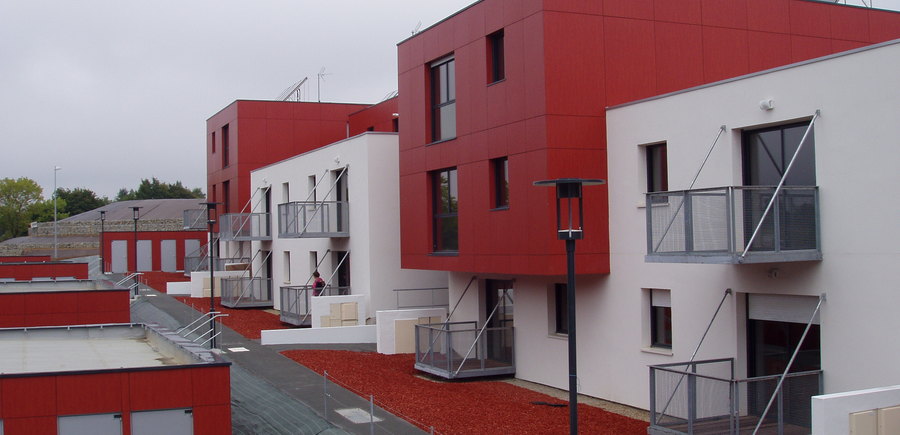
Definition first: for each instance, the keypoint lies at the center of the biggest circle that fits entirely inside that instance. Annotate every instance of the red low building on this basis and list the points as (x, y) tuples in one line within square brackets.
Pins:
[(58, 303), (110, 379), (31, 271)]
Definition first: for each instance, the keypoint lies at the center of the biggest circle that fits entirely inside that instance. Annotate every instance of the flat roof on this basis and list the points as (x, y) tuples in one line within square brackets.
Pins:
[(97, 348), (57, 285)]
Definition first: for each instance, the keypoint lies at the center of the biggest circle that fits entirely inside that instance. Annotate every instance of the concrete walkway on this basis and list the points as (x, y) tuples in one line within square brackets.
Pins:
[(272, 394)]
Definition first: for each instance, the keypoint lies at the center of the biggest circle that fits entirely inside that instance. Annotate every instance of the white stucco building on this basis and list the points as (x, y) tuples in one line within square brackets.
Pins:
[(335, 210)]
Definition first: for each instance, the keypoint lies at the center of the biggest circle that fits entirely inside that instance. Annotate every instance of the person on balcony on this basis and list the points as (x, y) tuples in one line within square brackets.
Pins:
[(318, 284)]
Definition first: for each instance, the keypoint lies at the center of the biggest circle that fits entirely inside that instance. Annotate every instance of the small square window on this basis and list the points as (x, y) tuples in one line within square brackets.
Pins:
[(500, 193), (660, 318), (496, 61)]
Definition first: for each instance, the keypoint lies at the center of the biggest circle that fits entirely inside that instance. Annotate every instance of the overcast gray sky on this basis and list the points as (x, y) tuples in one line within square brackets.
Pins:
[(117, 91)]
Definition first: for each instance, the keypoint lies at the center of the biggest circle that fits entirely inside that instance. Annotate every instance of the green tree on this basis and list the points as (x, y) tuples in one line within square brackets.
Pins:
[(17, 197), (155, 189), (79, 200), (42, 211)]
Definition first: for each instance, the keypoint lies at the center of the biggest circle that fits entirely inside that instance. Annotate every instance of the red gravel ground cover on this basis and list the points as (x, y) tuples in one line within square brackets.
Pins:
[(457, 407), (246, 321)]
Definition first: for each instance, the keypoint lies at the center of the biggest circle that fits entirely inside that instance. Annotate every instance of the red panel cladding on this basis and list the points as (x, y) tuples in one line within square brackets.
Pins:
[(28, 397), (769, 16), (30, 426), (415, 215), (630, 60), (584, 132), (883, 25), (679, 56), (379, 117), (104, 392), (571, 79), (849, 23), (768, 50), (211, 385), (103, 301), (726, 13), (12, 304), (12, 320), (629, 8), (685, 11), (23, 258), (805, 47), (720, 48), (212, 420), (838, 45), (160, 389), (810, 19)]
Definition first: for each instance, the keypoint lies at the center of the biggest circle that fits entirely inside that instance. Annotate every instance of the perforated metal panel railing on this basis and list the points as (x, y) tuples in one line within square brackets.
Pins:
[(244, 226), (314, 219), (714, 225)]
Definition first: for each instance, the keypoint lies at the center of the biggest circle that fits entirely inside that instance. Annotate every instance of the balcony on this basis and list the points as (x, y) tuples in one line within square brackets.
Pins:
[(703, 397), (715, 225), (247, 292), (462, 350), (244, 226), (295, 302), (200, 263), (314, 219), (195, 219)]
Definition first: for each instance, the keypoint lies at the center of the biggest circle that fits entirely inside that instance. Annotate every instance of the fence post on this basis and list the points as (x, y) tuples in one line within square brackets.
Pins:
[(653, 420), (371, 414), (325, 392)]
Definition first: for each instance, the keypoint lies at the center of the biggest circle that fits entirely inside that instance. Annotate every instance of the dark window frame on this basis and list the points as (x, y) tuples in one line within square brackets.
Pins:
[(445, 210), (657, 170), (785, 150), (442, 75), (225, 146), (660, 325), (496, 57), (560, 309), (500, 176)]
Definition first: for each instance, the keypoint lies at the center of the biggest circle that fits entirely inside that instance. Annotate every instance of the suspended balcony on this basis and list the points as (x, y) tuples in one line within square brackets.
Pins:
[(716, 225), (314, 219), (295, 302), (461, 350), (240, 227), (704, 397), (247, 292), (195, 219), (200, 263)]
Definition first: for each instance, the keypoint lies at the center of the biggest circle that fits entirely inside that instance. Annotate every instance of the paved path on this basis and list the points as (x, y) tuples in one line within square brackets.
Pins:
[(272, 394)]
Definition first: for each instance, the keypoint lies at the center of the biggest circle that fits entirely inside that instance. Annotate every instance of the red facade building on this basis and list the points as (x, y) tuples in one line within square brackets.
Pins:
[(505, 93)]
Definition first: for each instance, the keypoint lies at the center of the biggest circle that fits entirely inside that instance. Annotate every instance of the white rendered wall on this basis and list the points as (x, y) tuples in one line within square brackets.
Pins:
[(831, 412), (374, 242), (856, 142)]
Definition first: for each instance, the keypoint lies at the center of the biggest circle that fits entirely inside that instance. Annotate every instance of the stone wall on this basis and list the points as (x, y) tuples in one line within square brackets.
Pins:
[(92, 228)]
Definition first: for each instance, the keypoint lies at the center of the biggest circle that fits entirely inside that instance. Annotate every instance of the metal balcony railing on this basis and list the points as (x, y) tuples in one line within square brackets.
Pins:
[(244, 227), (195, 219), (314, 219), (462, 350), (703, 397), (199, 263), (295, 302), (246, 292), (715, 225)]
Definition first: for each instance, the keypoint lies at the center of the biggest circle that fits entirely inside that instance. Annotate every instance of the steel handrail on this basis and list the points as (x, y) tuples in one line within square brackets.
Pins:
[(431, 345), (480, 332), (202, 317), (306, 292)]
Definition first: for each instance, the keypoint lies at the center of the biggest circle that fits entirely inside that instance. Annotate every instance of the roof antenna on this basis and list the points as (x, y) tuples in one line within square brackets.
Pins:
[(321, 78), (418, 26)]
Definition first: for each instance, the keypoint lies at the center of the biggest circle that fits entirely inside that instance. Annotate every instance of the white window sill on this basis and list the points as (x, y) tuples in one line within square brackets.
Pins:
[(556, 336), (657, 350)]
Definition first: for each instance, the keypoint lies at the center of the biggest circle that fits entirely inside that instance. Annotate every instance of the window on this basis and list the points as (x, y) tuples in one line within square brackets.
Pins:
[(657, 171), (213, 141), (501, 182), (285, 192), (287, 266), (443, 99), (444, 205), (560, 309), (226, 196), (660, 318), (225, 149), (496, 68), (768, 151)]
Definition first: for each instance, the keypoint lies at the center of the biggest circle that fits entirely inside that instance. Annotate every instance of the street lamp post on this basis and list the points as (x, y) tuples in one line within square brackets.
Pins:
[(102, 246), (135, 214), (570, 230), (210, 222), (55, 226)]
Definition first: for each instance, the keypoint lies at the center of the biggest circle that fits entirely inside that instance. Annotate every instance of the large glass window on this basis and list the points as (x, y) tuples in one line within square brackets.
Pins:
[(767, 152), (444, 205), (443, 99)]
